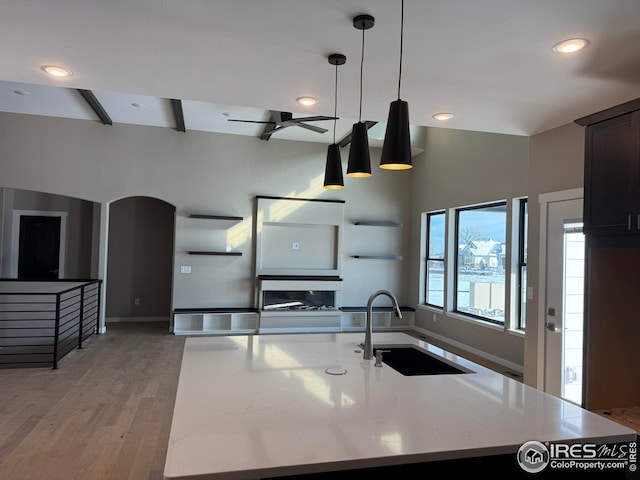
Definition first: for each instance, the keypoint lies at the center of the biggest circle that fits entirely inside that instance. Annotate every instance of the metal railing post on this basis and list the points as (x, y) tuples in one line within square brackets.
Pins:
[(81, 317), (98, 310), (56, 333)]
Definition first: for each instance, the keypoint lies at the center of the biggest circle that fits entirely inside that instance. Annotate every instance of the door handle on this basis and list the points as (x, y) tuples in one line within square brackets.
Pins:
[(551, 327), (629, 222)]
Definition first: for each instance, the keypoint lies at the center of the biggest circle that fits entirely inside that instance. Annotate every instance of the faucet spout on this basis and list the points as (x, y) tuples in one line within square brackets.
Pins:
[(368, 342)]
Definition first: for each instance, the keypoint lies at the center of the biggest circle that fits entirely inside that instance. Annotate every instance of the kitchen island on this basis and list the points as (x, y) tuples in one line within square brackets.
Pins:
[(278, 405)]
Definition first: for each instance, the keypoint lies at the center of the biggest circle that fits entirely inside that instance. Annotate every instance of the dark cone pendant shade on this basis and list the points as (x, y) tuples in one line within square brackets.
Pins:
[(396, 150), (333, 170), (359, 162)]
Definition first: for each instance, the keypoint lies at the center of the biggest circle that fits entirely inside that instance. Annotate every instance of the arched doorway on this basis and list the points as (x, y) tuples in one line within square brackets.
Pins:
[(140, 260)]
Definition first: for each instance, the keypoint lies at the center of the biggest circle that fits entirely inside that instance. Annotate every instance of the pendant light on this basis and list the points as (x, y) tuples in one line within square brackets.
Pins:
[(333, 179), (396, 148), (359, 164)]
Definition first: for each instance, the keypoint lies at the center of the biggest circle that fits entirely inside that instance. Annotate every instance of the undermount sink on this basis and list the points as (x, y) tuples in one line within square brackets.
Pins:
[(412, 360)]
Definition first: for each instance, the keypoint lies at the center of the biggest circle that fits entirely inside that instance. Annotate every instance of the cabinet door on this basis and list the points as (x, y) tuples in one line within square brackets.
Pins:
[(612, 176)]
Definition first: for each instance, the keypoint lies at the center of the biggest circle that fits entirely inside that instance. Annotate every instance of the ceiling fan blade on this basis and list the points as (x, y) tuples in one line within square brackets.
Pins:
[(314, 119), (249, 121), (311, 127)]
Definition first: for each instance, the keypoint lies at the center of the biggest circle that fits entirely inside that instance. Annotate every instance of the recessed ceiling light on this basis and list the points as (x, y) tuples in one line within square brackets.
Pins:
[(306, 101), (570, 45), (138, 105), (56, 71), (443, 116), (21, 92)]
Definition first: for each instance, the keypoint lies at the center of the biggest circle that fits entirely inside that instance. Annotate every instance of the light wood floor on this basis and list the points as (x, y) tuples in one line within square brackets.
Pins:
[(105, 414)]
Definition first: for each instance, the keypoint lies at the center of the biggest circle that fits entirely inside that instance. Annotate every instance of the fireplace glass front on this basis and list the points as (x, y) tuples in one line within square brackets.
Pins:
[(298, 300)]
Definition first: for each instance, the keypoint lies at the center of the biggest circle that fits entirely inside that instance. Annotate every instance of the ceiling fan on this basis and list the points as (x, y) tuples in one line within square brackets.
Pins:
[(280, 120)]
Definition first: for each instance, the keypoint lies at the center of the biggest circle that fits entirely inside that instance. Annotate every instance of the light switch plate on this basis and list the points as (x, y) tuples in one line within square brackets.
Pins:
[(295, 245), (185, 268)]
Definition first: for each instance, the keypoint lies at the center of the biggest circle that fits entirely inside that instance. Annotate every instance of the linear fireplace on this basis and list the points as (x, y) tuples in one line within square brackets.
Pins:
[(299, 303)]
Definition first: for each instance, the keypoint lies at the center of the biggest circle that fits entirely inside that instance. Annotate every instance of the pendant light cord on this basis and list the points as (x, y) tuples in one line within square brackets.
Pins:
[(401, 35), (335, 106), (361, 70)]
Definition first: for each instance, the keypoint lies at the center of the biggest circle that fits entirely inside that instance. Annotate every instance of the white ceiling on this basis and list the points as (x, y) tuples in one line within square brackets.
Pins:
[(490, 62)]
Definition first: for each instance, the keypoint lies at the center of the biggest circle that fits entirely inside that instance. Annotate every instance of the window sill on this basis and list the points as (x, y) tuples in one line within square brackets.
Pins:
[(516, 333), (430, 308), (475, 321)]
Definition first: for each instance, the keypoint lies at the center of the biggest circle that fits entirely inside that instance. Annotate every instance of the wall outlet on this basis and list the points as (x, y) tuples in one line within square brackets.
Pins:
[(185, 268), (529, 293), (295, 245), (434, 318), (136, 301)]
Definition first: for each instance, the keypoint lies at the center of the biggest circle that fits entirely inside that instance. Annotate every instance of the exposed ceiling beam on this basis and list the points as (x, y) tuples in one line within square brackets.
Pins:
[(346, 140), (178, 114), (96, 106)]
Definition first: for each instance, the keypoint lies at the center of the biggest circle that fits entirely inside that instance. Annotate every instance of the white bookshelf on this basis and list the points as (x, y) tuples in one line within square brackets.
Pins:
[(217, 322)]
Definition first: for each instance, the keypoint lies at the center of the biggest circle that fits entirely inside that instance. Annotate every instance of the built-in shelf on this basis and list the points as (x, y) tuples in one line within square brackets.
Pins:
[(215, 321), (379, 257), (227, 254), (375, 223)]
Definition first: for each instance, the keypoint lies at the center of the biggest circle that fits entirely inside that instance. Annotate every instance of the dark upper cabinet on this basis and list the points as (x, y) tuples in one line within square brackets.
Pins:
[(612, 171)]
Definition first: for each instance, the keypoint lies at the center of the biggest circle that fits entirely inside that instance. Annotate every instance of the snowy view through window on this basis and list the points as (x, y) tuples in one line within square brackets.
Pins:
[(480, 275)]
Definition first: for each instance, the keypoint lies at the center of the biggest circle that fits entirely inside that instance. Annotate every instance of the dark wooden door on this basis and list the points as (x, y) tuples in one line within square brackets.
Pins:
[(39, 255), (612, 176)]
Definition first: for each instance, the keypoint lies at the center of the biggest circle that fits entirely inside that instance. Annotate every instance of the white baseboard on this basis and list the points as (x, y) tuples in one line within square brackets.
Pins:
[(480, 353), (136, 319)]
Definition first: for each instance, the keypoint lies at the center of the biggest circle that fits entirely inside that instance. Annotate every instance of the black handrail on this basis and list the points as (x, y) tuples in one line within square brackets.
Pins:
[(40, 328)]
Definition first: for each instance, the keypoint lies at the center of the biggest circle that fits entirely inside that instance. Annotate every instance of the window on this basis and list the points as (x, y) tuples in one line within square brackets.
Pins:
[(522, 263), (480, 261), (434, 275)]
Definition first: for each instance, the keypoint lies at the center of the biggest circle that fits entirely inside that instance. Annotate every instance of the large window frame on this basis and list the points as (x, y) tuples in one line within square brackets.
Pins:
[(435, 258), (456, 277), (523, 228)]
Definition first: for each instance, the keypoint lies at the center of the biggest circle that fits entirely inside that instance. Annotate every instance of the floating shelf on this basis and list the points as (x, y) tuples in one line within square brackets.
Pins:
[(228, 254), (374, 223), (379, 257), (216, 217)]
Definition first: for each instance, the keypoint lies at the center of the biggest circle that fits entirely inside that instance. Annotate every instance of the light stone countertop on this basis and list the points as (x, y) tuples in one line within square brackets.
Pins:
[(252, 406)]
